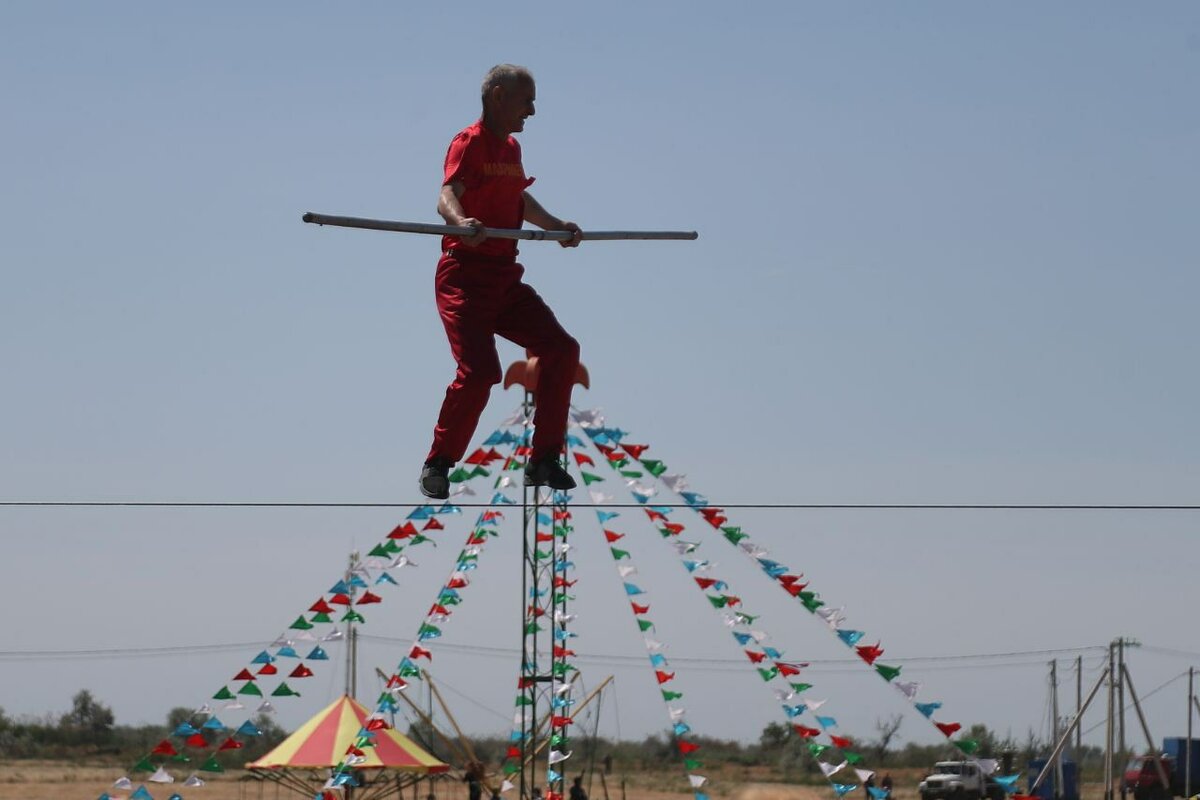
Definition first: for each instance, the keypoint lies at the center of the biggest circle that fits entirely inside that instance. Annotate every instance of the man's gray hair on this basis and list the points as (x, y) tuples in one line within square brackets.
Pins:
[(506, 75)]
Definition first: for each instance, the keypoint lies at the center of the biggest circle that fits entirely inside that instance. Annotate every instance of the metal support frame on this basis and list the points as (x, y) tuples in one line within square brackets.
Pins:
[(544, 617), (1066, 735)]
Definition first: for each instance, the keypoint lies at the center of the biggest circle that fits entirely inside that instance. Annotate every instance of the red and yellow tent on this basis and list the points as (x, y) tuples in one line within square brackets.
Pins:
[(322, 742)]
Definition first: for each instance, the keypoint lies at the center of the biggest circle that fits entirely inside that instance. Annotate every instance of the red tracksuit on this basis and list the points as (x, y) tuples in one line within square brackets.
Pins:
[(480, 294)]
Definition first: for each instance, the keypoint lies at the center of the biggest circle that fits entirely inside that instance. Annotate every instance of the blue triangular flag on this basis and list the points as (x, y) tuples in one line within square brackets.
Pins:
[(247, 729), (385, 578), (141, 794), (605, 516), (827, 722), (631, 590), (214, 724), (421, 512), (927, 709), (850, 637)]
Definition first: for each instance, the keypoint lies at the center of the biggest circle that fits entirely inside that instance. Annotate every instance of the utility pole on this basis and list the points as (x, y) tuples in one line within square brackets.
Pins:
[(1121, 705), (1078, 708), (1187, 759), (351, 631), (1108, 723), (1058, 770)]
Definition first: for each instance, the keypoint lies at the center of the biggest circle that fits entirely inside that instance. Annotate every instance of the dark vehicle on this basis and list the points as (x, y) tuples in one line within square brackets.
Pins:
[(959, 780), (1141, 775)]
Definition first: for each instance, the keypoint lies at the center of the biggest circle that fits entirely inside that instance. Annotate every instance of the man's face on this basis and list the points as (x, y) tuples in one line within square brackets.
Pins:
[(514, 105)]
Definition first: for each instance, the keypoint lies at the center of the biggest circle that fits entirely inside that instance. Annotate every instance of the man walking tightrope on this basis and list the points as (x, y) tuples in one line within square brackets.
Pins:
[(480, 292)]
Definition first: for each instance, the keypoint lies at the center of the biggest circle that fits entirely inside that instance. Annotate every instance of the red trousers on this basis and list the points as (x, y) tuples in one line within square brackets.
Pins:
[(477, 298)]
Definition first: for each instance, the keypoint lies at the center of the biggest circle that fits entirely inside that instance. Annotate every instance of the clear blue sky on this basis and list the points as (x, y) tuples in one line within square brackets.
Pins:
[(944, 257)]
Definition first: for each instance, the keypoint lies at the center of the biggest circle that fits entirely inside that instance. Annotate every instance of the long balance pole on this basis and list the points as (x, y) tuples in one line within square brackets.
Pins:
[(497, 233)]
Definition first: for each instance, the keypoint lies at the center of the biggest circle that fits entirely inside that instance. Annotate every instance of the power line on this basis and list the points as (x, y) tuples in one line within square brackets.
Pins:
[(767, 506), (166, 651)]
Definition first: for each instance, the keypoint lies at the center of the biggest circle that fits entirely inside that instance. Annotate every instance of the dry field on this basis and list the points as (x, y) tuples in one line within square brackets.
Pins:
[(53, 780)]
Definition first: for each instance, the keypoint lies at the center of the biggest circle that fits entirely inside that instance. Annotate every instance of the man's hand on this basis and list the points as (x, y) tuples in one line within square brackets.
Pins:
[(475, 239), (574, 240)]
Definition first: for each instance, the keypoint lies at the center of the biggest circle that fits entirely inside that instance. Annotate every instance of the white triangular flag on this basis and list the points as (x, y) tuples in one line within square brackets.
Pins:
[(122, 783), (562, 619), (506, 785), (562, 688), (193, 781), (161, 776), (505, 482), (676, 714), (864, 775), (987, 765), (463, 488), (265, 707), (829, 769), (907, 688), (233, 705), (813, 705), (654, 644), (676, 483), (626, 570), (784, 695), (205, 710), (696, 780), (600, 498), (556, 756), (515, 418), (334, 635)]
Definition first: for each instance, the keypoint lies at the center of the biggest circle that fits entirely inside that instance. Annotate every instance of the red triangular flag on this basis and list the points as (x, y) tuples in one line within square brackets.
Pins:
[(806, 733), (948, 728), (301, 671), (674, 528), (705, 582), (420, 652), (164, 748), (840, 742), (869, 652), (340, 599), (687, 747), (663, 677), (584, 458), (612, 536), (196, 740), (652, 514), (640, 609), (230, 744), (433, 525), (268, 669), (755, 657), (368, 598), (244, 675), (321, 607), (403, 531)]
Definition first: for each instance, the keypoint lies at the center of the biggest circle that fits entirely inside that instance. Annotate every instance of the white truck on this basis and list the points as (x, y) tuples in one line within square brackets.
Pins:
[(959, 780)]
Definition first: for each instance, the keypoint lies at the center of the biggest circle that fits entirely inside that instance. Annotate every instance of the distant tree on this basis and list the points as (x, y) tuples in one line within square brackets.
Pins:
[(88, 716), (888, 730), (177, 716)]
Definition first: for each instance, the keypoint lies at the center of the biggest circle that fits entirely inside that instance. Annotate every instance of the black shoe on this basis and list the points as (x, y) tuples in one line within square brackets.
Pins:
[(435, 479), (548, 472)]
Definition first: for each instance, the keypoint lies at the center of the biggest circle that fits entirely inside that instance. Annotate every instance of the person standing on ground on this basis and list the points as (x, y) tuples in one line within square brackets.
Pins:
[(480, 292)]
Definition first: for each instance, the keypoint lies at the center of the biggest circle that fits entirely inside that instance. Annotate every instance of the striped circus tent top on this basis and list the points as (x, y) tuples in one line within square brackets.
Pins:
[(324, 740)]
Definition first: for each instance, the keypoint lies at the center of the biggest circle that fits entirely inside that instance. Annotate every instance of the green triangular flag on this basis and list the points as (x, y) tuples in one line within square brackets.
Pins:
[(301, 624), (532, 627), (717, 602), (522, 700), (817, 749), (321, 616), (379, 550), (353, 616), (145, 765), (459, 475), (511, 768), (557, 739), (589, 478), (410, 672), (691, 763), (393, 547), (224, 694), (768, 674), (618, 554), (181, 758), (426, 628), (968, 746), (888, 673), (251, 688), (479, 471), (852, 758), (645, 624), (811, 601), (801, 687), (419, 539), (631, 473), (538, 555), (672, 695), (211, 765), (654, 467), (283, 690), (734, 534)]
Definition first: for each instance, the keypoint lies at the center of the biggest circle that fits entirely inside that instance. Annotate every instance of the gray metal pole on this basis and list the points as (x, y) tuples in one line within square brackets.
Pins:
[(1187, 759), (1108, 726), (1062, 742), (495, 233), (1078, 706), (1121, 754), (1137, 706), (1058, 771)]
